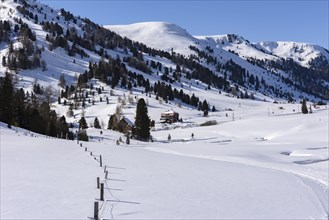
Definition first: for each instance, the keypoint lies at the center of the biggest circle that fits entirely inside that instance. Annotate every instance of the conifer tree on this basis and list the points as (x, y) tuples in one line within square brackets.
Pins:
[(62, 81), (83, 123), (205, 105), (96, 123), (142, 121), (6, 95), (36, 122), (19, 105), (4, 62), (304, 107), (113, 122), (82, 135)]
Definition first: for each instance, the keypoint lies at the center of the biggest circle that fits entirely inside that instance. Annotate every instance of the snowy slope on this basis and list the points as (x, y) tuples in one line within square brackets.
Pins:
[(255, 167), (160, 35), (58, 61), (300, 52), (237, 44), (44, 178)]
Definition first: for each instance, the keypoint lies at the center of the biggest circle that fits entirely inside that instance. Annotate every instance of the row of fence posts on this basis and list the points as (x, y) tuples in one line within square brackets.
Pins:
[(99, 184), (96, 204)]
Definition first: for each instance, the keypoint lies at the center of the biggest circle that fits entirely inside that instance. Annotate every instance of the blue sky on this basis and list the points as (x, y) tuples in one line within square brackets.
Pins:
[(279, 20)]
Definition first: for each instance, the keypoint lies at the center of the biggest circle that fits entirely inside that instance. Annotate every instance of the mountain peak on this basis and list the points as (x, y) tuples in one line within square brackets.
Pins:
[(152, 26), (302, 53), (162, 35)]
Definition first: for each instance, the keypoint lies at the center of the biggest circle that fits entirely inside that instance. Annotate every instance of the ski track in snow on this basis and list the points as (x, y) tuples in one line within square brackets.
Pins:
[(305, 178), (319, 195), (323, 183)]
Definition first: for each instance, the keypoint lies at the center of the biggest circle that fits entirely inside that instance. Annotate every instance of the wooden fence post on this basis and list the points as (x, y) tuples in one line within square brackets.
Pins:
[(104, 168), (106, 173), (97, 182), (100, 160), (96, 211), (102, 192), (85, 149)]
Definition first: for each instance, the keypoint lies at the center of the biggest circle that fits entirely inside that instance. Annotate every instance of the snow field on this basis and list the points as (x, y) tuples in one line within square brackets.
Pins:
[(256, 167), (43, 178)]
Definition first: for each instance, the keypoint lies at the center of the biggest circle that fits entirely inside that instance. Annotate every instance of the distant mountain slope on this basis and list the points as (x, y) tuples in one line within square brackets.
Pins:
[(302, 53), (160, 35), (300, 65), (167, 36)]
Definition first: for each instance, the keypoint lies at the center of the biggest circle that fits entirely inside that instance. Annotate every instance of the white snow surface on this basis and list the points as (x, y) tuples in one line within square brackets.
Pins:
[(257, 166), (161, 35)]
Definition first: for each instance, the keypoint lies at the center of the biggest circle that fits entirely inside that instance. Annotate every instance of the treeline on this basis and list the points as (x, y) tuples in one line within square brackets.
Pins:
[(166, 92), (237, 73), (308, 80), (240, 76), (23, 110), (115, 73), (204, 55)]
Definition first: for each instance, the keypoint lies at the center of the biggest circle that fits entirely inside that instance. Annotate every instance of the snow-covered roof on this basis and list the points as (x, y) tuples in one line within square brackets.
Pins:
[(129, 122), (169, 112)]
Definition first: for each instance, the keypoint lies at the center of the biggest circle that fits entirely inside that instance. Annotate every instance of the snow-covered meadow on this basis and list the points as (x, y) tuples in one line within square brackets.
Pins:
[(264, 163)]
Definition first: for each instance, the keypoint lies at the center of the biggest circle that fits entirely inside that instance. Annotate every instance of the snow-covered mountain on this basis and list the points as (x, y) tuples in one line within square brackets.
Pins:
[(289, 71), (161, 35), (276, 62), (167, 36), (300, 52)]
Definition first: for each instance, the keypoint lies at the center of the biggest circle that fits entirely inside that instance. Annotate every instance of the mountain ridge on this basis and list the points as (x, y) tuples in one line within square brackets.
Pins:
[(284, 49)]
